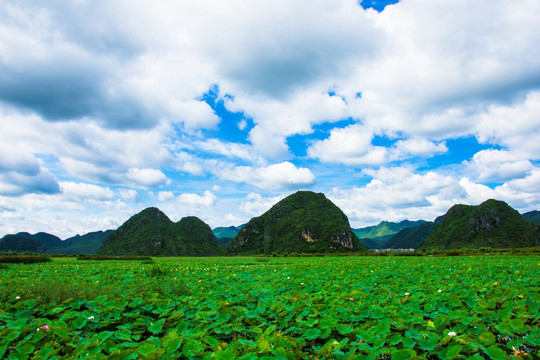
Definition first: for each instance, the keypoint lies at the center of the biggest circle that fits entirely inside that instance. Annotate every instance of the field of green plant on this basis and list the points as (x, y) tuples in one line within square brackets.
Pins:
[(470, 307)]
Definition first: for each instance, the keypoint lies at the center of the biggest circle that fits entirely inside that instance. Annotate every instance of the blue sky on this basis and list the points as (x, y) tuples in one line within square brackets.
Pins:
[(394, 110)]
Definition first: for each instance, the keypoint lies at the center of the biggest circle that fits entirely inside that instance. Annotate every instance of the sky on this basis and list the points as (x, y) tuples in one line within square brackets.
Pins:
[(219, 109)]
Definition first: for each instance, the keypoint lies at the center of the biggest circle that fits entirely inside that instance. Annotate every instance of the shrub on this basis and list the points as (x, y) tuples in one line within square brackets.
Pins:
[(108, 257), (157, 271), (24, 259)]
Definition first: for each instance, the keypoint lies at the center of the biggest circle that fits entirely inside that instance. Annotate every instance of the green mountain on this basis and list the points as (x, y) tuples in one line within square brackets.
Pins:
[(152, 233), (375, 237), (532, 216), (411, 237), (490, 224), (304, 222), (87, 244), (223, 242), (227, 232), (21, 243)]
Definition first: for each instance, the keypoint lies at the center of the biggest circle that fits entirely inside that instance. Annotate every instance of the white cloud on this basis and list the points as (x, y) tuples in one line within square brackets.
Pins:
[(283, 175), (498, 165), (350, 146), (15, 184), (276, 119), (165, 195), (147, 177), (395, 194), (228, 149), (85, 191), (515, 126), (128, 194), (208, 199), (417, 147), (256, 204)]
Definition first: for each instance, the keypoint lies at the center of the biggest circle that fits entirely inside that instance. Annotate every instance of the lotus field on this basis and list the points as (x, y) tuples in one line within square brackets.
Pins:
[(470, 307)]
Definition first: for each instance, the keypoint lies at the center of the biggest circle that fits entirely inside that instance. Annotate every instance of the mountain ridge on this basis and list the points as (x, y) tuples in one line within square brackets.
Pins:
[(304, 222)]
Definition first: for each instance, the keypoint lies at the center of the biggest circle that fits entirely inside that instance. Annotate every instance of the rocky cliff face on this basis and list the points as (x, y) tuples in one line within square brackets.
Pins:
[(304, 222), (490, 224)]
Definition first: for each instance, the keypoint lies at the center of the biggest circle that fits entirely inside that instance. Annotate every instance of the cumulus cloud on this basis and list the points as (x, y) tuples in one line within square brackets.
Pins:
[(351, 145), (498, 165), (147, 177), (396, 194), (165, 195), (255, 204), (283, 175), (515, 126), (431, 77), (86, 191), (228, 149), (208, 199), (15, 184), (416, 147)]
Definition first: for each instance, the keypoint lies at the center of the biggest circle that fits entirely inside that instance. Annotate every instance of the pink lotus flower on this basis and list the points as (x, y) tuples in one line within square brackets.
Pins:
[(351, 299), (305, 299), (45, 327)]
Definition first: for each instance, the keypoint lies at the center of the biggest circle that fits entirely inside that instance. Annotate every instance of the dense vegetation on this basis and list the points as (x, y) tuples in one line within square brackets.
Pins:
[(411, 237), (304, 222), (226, 232), (84, 244), (44, 242), (490, 224), (287, 308), (21, 243), (532, 216), (375, 237), (152, 233)]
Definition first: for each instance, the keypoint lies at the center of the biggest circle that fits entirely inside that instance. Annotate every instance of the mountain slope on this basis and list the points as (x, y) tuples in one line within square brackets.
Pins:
[(490, 224), (304, 222), (21, 243), (532, 216), (375, 237), (411, 237), (87, 244), (227, 232), (152, 233)]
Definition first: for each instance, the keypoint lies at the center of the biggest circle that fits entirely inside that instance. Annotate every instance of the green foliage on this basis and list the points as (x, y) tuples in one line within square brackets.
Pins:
[(385, 228), (490, 224), (227, 232), (83, 244), (24, 259), (411, 237), (532, 216), (157, 271), (107, 257), (304, 222), (21, 243), (375, 237), (287, 308), (151, 233)]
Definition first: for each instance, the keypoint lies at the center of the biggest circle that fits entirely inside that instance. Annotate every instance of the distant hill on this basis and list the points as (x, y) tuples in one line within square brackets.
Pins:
[(223, 242), (51, 242), (411, 237), (152, 233), (490, 224), (532, 216), (226, 232), (87, 244), (375, 237), (376, 243), (21, 243), (304, 222)]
